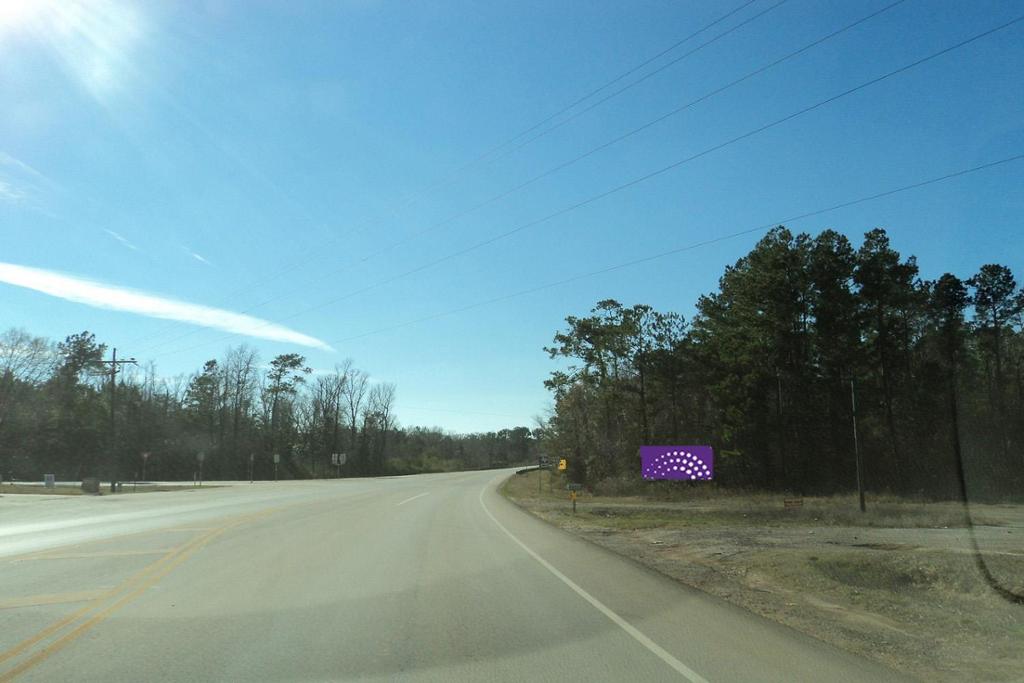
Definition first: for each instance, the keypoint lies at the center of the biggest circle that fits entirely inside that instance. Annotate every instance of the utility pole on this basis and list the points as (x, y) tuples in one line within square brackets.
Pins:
[(115, 366), (856, 448)]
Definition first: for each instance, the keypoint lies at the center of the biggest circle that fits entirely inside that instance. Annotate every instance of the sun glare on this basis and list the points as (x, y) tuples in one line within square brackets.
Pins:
[(92, 40), (17, 13)]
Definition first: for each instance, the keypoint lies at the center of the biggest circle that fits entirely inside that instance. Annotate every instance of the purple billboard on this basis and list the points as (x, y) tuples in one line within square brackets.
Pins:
[(677, 462)]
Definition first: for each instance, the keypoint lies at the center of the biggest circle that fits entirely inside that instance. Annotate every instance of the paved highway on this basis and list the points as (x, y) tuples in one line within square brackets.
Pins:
[(427, 578)]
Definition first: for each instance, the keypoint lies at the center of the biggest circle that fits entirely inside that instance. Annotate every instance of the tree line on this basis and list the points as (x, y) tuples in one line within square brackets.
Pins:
[(59, 415), (800, 331)]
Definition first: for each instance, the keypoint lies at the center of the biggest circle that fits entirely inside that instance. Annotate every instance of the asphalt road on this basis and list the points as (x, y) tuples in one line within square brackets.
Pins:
[(432, 578)]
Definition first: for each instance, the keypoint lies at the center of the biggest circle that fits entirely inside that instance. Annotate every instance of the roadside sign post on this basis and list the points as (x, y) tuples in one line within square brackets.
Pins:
[(145, 457), (251, 456), (542, 464), (277, 459), (574, 490), (338, 459), (49, 480), (200, 456)]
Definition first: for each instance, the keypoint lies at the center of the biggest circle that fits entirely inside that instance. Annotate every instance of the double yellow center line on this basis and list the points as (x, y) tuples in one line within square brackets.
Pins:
[(65, 630)]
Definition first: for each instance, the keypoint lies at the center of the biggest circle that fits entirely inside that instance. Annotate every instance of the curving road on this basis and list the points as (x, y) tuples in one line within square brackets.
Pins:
[(426, 578)]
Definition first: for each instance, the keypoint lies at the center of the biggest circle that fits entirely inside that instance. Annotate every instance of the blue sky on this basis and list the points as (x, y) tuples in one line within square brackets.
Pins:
[(286, 164)]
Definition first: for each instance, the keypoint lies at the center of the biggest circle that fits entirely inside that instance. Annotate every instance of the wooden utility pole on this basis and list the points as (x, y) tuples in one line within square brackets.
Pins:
[(115, 366)]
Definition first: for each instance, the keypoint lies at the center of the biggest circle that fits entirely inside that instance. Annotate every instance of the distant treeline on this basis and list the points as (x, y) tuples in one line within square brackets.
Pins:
[(767, 369), (56, 418)]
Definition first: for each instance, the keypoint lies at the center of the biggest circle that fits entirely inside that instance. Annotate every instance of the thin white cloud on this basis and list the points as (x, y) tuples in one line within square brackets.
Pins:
[(9, 192), (121, 238), (19, 181), (7, 160), (196, 256), (112, 297)]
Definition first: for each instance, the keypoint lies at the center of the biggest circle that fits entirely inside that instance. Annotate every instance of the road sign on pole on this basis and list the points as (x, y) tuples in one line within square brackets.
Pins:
[(200, 456), (277, 459), (574, 491), (251, 457), (145, 457), (562, 465), (338, 459)]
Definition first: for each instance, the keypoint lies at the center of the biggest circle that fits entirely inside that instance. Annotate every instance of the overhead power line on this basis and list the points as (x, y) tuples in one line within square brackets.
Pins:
[(605, 145), (320, 252), (648, 176), (626, 87), (551, 171), (643, 78), (608, 84), (677, 250), (665, 169), (689, 247)]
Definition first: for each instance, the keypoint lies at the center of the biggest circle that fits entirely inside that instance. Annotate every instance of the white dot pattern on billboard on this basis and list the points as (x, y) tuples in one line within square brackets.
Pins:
[(677, 463)]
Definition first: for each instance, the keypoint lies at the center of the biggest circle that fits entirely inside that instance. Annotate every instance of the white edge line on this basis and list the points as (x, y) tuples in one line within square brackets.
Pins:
[(636, 634), (418, 495)]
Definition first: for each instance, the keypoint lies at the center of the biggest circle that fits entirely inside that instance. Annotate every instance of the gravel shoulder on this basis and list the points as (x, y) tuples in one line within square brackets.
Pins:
[(899, 584)]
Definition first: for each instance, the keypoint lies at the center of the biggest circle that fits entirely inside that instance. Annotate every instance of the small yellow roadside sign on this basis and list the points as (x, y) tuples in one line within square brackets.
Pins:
[(562, 464)]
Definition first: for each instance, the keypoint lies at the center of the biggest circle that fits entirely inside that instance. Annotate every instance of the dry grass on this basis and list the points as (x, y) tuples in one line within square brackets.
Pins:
[(40, 490)]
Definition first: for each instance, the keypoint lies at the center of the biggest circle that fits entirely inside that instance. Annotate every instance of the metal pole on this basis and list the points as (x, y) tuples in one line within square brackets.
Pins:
[(113, 415), (856, 448), (250, 468)]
